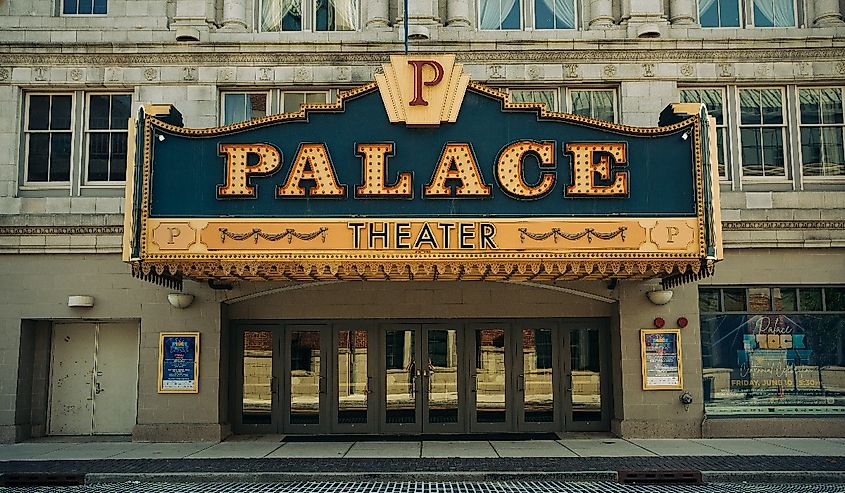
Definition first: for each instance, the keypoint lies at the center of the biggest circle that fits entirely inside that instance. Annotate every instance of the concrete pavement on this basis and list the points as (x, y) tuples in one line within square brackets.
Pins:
[(572, 457)]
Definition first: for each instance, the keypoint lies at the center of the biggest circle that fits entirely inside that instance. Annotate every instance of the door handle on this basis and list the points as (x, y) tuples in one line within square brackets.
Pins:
[(520, 382), (97, 388), (474, 386), (322, 384), (367, 388), (274, 385)]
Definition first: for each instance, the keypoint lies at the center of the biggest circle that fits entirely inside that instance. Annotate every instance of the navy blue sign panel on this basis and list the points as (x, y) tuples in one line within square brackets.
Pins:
[(188, 168)]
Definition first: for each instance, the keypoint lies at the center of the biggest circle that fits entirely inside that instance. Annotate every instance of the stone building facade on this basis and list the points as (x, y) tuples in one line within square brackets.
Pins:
[(772, 73)]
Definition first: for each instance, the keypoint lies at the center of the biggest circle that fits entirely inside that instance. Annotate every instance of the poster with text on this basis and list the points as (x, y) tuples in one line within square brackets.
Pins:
[(661, 359), (178, 366)]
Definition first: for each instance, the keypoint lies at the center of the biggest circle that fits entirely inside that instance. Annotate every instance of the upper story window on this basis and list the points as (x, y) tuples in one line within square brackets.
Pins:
[(762, 132), (822, 131), (763, 13), (539, 14), (84, 7), (714, 100), (238, 106), (309, 15), (593, 103), (55, 158)]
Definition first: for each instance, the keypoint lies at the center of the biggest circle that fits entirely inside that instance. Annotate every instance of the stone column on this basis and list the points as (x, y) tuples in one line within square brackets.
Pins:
[(827, 13), (458, 13), (647, 19), (191, 20), (682, 12), (377, 14), (601, 14), (234, 15)]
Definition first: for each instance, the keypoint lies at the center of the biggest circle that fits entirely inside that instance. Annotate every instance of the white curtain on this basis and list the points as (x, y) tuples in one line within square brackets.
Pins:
[(346, 14), (494, 12), (273, 11), (564, 12), (779, 13)]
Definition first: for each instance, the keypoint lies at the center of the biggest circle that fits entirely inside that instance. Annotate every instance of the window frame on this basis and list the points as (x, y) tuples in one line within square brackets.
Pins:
[(26, 184), (528, 18), (746, 16), (563, 96), (308, 21), (275, 97), (614, 98), (740, 5), (84, 182), (726, 134), (801, 126), (753, 20), (554, 90), (61, 8), (523, 16), (221, 115), (786, 133)]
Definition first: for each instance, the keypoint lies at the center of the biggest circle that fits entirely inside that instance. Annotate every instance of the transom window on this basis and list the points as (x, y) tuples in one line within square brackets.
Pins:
[(240, 106), (84, 7), (309, 15), (593, 103), (822, 131)]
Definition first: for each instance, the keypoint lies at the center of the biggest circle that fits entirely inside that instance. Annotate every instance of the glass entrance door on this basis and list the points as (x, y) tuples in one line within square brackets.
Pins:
[(257, 404), (305, 397), (353, 397), (491, 394), (538, 379), (588, 395), (422, 379)]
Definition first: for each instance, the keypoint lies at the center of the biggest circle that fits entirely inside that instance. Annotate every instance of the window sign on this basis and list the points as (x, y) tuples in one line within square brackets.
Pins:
[(178, 362), (775, 362), (661, 359)]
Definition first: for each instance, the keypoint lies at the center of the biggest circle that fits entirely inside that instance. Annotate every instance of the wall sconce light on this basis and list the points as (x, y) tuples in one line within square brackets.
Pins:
[(80, 301), (660, 296), (180, 300)]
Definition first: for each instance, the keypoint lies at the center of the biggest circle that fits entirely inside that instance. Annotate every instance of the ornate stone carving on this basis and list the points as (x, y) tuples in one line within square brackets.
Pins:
[(60, 230), (840, 67), (343, 74), (76, 74), (5, 74), (226, 74), (571, 71), (687, 70), (775, 225), (533, 72), (496, 72), (763, 70), (113, 74), (648, 70), (609, 71), (39, 74), (725, 69), (150, 74), (303, 74), (189, 73), (265, 73)]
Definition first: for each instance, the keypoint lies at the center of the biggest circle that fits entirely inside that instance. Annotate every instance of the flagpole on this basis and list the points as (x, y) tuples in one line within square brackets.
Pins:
[(406, 26)]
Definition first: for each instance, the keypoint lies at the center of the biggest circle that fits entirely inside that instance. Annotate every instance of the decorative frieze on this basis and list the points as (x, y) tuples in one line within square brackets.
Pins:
[(60, 230), (779, 225)]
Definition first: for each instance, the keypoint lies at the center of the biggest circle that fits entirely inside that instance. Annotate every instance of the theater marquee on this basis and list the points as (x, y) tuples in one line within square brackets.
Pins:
[(422, 174)]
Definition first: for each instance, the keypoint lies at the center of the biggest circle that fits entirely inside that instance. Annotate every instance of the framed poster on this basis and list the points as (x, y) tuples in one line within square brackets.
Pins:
[(178, 362), (661, 359)]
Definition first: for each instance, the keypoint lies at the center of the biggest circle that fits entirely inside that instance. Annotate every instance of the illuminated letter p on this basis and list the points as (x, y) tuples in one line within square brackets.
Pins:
[(238, 171), (418, 79)]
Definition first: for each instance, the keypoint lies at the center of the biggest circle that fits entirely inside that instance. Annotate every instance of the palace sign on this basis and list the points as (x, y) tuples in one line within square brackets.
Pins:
[(422, 174)]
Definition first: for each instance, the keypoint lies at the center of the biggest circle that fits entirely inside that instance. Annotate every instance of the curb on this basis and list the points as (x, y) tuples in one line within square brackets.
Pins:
[(328, 477), (773, 476)]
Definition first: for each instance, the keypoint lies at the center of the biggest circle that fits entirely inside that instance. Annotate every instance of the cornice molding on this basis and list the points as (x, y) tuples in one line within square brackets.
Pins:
[(60, 230), (335, 58), (781, 225), (118, 230)]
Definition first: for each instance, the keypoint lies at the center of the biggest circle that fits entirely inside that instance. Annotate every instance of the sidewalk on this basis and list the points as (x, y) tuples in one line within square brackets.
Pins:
[(588, 457)]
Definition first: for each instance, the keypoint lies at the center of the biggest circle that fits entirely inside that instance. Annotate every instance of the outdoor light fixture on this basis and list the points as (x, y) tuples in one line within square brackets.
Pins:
[(80, 301), (180, 300), (682, 322), (660, 296), (659, 322)]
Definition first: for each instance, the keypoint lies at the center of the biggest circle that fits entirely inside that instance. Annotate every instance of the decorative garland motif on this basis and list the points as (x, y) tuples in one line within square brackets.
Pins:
[(556, 232), (288, 233)]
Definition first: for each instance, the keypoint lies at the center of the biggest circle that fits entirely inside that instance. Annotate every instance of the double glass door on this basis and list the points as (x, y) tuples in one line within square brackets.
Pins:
[(440, 377)]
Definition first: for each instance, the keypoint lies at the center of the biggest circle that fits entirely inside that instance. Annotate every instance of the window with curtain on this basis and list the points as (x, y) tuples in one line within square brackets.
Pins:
[(594, 103), (714, 100), (554, 14), (84, 7), (822, 131), (774, 13), (761, 132), (242, 106), (718, 13), (328, 15), (499, 14), (547, 96)]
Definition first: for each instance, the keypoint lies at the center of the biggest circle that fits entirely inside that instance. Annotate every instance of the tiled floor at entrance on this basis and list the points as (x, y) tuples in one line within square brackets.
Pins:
[(272, 446)]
